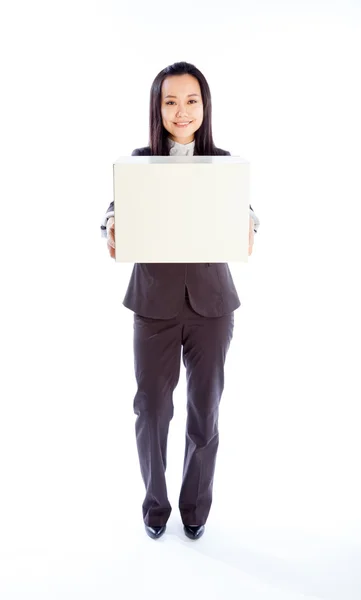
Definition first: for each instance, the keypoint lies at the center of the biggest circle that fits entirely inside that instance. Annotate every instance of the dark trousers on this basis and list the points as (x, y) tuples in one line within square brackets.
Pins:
[(157, 354)]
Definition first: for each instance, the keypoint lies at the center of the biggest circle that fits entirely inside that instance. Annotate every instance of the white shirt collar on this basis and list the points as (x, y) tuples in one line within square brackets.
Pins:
[(177, 149)]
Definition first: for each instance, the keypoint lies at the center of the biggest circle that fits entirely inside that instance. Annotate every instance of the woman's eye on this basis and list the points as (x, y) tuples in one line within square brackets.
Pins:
[(171, 101)]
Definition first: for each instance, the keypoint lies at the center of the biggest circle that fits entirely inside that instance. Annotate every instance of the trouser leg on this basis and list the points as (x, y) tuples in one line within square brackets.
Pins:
[(205, 345), (157, 352)]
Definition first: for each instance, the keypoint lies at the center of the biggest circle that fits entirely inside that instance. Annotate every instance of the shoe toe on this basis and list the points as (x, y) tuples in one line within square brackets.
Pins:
[(194, 532), (155, 532)]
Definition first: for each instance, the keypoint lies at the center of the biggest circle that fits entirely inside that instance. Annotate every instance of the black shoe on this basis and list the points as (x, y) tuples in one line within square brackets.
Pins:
[(155, 532), (194, 532)]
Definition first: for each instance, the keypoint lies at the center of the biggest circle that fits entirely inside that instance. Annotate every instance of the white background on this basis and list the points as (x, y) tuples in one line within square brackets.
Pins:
[(285, 521)]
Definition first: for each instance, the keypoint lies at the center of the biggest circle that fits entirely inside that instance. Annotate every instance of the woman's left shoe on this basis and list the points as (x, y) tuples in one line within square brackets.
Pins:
[(194, 532)]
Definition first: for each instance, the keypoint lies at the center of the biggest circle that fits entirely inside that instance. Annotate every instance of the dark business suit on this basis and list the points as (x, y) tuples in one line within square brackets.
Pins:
[(175, 305)]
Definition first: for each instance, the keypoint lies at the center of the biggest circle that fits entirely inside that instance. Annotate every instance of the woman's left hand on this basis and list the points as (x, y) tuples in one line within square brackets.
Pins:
[(251, 236)]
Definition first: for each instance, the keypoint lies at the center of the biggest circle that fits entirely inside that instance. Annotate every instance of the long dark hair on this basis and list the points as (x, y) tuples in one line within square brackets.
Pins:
[(158, 135)]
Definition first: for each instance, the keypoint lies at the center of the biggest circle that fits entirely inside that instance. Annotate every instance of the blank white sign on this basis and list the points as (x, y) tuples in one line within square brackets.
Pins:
[(181, 209)]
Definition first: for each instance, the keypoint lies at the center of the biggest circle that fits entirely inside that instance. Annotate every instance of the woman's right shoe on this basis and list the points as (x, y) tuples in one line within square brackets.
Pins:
[(155, 532)]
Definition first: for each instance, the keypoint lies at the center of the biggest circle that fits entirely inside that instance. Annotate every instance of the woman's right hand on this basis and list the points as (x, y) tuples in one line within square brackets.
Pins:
[(111, 236)]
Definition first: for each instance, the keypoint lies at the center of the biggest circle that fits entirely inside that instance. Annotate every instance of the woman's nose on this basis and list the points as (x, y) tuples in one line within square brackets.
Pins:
[(181, 111)]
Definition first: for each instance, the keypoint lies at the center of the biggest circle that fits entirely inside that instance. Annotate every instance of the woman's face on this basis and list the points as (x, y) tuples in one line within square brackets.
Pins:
[(182, 107)]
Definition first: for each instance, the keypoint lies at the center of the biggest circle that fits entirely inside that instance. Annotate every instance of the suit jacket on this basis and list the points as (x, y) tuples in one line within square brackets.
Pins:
[(157, 290)]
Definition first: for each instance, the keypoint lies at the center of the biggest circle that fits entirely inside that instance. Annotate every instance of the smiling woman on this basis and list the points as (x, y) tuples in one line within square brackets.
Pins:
[(179, 305), (182, 107), (181, 111)]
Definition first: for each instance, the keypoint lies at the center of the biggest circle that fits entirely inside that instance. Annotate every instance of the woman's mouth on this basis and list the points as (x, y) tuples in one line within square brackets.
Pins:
[(183, 124)]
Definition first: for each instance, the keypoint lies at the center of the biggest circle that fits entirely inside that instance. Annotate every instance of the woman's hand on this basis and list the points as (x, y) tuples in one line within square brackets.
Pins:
[(111, 236), (251, 236)]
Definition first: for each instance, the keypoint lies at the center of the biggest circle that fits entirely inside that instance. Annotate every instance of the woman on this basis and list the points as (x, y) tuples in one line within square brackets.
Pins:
[(175, 305)]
